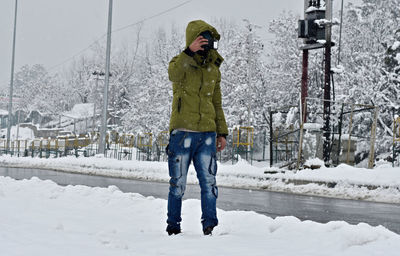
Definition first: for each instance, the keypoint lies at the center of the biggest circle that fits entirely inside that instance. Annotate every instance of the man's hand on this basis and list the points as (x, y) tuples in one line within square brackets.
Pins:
[(221, 143), (197, 44)]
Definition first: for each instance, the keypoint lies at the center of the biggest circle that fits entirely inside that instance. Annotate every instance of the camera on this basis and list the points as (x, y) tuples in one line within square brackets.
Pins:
[(212, 42)]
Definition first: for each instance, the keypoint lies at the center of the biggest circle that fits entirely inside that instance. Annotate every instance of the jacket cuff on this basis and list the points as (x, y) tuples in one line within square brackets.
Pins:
[(189, 52)]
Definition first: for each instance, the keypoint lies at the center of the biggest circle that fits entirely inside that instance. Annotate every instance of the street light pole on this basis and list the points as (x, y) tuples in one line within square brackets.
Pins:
[(12, 79), (103, 128)]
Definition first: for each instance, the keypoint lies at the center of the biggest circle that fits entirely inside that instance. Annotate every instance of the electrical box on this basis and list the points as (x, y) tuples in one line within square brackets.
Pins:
[(309, 29)]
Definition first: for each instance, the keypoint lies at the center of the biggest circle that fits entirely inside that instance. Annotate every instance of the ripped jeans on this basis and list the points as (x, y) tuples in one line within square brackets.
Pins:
[(182, 149)]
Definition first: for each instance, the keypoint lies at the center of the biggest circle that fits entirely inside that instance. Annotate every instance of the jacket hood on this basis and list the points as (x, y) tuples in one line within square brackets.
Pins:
[(196, 27)]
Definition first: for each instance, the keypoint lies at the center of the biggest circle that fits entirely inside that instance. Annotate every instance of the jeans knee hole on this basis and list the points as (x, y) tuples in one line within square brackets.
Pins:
[(212, 169), (215, 191)]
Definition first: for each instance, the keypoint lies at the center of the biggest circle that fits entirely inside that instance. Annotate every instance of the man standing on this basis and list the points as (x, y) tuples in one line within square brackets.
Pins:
[(197, 126)]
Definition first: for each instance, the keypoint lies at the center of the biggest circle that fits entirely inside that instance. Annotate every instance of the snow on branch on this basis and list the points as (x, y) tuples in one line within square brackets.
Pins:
[(338, 69), (324, 22)]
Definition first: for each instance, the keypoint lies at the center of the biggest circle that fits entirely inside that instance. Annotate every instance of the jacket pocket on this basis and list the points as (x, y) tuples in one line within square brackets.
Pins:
[(175, 166), (179, 105)]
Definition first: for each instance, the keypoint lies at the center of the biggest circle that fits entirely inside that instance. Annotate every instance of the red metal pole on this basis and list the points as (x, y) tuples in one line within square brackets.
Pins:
[(327, 104), (304, 84)]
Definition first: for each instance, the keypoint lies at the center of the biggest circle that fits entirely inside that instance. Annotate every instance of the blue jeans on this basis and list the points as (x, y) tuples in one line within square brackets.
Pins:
[(201, 148)]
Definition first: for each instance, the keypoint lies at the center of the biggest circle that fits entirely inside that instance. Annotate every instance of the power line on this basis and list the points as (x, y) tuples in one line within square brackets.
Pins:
[(75, 55), (152, 17), (118, 30)]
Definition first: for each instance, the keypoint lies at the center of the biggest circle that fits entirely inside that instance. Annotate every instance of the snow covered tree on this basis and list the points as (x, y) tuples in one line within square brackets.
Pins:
[(151, 96), (29, 81), (391, 87), (369, 34), (243, 82), (38, 90), (284, 60)]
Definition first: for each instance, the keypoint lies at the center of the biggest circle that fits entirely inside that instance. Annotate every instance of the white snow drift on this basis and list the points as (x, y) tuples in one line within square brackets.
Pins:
[(41, 218)]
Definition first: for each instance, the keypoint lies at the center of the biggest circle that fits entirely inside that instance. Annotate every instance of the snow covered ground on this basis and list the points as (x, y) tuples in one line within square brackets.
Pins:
[(41, 218), (381, 184)]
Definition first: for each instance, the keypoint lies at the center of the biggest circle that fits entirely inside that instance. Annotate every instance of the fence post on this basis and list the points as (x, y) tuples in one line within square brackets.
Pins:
[(65, 146), (56, 147), (33, 148), (40, 148), (271, 133), (349, 139), (373, 137)]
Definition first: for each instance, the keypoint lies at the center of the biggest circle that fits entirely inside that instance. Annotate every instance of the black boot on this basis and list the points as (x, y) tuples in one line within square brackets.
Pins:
[(173, 230), (208, 231)]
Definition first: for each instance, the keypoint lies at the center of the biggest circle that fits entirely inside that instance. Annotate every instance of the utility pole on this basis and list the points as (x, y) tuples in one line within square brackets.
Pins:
[(316, 29), (94, 101), (103, 128), (12, 79), (327, 83), (19, 116), (97, 74)]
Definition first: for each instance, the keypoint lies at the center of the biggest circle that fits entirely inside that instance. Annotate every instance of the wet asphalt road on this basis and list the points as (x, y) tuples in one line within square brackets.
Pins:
[(319, 209)]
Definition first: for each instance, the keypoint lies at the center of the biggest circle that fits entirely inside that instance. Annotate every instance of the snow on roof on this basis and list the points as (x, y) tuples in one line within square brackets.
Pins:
[(3, 112), (79, 111)]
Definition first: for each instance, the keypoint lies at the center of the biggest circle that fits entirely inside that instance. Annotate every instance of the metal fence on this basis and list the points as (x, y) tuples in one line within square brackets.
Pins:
[(242, 143)]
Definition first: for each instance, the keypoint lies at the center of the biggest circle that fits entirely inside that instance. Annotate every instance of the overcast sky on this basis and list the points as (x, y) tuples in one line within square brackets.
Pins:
[(50, 31)]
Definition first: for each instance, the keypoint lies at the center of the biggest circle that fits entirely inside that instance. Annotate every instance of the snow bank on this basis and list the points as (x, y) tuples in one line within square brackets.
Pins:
[(42, 218), (351, 183), (382, 176)]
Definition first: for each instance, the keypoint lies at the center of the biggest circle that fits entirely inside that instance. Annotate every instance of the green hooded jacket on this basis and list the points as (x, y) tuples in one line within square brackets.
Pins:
[(197, 103)]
